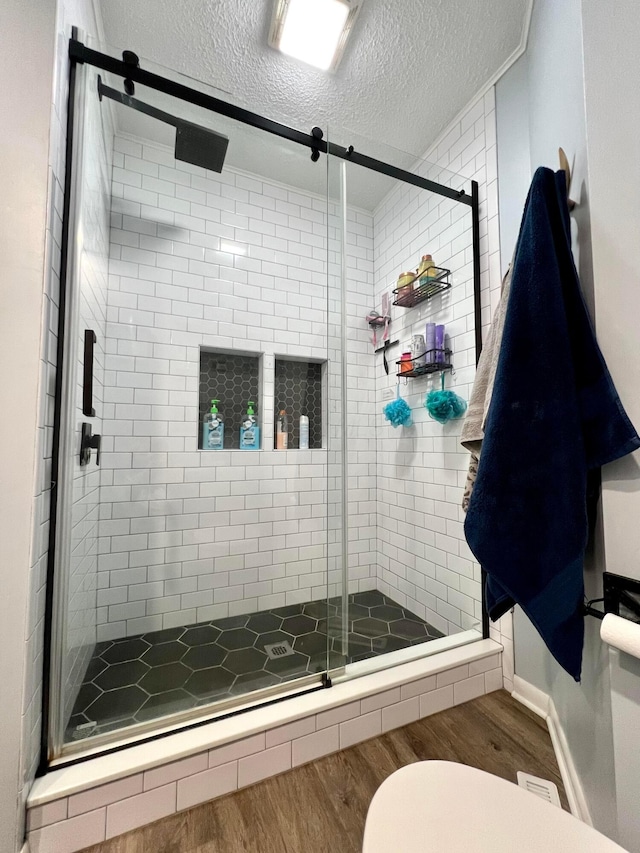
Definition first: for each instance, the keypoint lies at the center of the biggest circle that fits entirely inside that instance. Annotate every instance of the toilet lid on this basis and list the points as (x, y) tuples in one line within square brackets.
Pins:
[(444, 807)]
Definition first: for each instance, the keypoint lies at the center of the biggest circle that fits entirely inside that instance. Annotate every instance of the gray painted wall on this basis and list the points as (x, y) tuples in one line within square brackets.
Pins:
[(540, 106), (24, 148), (610, 39)]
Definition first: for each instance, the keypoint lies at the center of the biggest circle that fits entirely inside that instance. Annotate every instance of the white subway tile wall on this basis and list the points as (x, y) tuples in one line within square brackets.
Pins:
[(238, 262), (424, 562), (502, 632), (233, 262)]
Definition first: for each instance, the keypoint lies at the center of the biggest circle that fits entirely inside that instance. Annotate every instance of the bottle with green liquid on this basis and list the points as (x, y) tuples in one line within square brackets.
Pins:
[(249, 430), (213, 429)]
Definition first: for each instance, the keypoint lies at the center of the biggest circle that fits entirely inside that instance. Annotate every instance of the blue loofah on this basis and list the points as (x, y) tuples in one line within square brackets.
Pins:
[(444, 406), (398, 413)]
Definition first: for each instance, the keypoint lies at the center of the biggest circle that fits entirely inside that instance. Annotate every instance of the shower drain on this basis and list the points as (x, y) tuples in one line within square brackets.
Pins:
[(278, 650)]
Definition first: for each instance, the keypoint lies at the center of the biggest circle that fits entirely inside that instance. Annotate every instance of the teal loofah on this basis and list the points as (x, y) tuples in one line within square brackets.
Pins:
[(398, 412), (444, 405)]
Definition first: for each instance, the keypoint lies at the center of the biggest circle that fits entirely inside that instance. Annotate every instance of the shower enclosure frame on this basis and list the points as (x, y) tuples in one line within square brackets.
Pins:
[(129, 69)]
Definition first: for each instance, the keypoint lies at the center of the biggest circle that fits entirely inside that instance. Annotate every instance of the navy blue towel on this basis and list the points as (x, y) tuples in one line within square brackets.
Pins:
[(554, 417)]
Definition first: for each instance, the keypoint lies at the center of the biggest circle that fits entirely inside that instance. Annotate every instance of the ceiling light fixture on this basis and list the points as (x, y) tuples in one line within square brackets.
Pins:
[(314, 31)]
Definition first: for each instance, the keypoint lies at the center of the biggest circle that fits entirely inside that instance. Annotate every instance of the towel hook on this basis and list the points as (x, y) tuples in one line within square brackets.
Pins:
[(564, 165)]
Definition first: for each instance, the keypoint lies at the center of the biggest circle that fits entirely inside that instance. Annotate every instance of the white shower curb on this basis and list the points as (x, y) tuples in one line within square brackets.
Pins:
[(86, 803)]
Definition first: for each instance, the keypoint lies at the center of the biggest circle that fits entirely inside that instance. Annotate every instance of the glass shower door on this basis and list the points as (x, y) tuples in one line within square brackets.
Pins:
[(73, 631), (412, 587), (212, 303)]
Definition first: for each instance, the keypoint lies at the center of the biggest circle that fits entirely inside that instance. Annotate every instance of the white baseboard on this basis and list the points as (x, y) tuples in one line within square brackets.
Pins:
[(570, 778), (542, 705), (532, 697)]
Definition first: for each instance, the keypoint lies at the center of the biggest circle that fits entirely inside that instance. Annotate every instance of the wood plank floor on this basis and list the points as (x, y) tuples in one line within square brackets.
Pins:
[(321, 807)]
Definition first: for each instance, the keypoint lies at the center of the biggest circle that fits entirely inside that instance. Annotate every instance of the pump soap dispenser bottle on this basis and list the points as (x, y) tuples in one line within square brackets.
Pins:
[(213, 429), (249, 431)]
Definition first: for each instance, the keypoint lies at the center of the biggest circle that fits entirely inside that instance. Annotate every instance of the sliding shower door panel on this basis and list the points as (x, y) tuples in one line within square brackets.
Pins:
[(207, 521)]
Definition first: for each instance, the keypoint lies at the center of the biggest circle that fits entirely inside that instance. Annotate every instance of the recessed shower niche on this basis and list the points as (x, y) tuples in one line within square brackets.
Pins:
[(298, 392), (233, 380)]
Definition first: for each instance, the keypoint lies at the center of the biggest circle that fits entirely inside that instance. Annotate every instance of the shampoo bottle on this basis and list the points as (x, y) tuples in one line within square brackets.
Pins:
[(213, 429), (249, 431)]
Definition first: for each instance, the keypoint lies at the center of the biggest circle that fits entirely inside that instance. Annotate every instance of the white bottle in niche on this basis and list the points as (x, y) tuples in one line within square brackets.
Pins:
[(304, 432)]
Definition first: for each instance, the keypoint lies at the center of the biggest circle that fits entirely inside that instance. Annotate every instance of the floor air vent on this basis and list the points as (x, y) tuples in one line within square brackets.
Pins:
[(278, 650), (540, 787)]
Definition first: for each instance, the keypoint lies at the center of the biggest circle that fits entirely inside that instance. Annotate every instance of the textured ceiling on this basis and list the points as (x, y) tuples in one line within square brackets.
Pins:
[(410, 66)]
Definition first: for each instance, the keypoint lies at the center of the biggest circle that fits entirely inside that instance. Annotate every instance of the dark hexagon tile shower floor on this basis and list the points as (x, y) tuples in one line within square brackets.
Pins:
[(140, 678)]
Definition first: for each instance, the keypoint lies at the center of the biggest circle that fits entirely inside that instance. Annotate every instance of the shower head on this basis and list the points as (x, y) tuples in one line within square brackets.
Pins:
[(194, 144), (200, 146)]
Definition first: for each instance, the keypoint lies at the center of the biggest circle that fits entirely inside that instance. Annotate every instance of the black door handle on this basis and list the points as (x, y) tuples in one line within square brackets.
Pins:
[(87, 380), (88, 443)]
